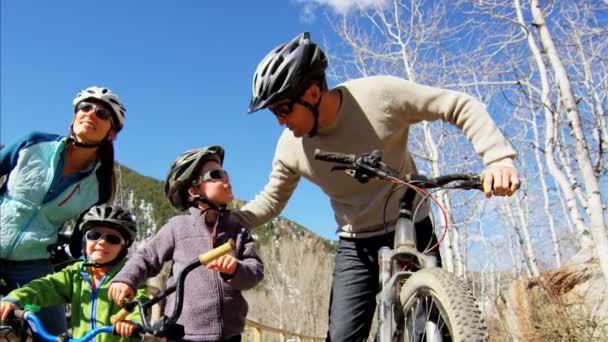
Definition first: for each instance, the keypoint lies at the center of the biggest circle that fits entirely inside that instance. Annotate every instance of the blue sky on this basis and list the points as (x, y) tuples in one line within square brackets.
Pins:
[(183, 69)]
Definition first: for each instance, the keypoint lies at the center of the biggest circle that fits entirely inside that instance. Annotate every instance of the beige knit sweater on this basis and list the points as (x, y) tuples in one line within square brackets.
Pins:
[(376, 113)]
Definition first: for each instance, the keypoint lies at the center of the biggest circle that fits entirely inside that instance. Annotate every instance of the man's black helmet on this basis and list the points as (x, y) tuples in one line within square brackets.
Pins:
[(185, 169), (111, 217), (286, 72)]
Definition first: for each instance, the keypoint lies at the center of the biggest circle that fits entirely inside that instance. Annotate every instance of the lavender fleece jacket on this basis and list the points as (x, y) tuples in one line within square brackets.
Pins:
[(214, 307)]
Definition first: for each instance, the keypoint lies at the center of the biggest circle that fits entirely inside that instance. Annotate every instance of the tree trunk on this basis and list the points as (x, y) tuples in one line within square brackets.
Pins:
[(596, 213)]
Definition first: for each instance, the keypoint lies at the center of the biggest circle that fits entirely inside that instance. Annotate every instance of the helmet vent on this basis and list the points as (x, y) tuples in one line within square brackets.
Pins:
[(276, 65)]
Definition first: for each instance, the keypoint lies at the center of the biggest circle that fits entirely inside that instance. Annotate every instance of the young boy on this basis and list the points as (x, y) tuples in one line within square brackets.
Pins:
[(214, 308), (109, 231)]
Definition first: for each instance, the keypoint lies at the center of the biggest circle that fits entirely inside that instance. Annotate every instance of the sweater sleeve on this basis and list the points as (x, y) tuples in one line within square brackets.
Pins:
[(53, 289), (147, 261), (250, 269), (269, 203), (418, 102)]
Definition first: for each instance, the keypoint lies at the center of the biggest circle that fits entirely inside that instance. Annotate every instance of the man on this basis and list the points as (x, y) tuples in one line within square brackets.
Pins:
[(358, 116)]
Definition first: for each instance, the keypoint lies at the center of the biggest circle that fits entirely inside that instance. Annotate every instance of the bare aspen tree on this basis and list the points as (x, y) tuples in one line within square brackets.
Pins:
[(583, 158)]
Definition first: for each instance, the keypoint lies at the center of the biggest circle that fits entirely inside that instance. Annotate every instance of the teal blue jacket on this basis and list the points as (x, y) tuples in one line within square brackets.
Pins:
[(89, 308), (34, 201)]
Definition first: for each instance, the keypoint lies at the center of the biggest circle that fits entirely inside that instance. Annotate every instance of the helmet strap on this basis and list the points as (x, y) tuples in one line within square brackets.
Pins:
[(315, 113), (212, 206)]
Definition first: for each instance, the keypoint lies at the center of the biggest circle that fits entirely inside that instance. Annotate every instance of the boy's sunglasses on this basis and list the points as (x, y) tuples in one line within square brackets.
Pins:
[(214, 174), (113, 239), (87, 107)]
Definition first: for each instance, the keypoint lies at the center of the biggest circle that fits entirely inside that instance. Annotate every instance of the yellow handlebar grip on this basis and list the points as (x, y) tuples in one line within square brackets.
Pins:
[(122, 314), (216, 252)]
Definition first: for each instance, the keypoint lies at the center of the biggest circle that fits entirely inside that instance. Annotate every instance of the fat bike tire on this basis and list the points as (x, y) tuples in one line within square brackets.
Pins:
[(437, 306)]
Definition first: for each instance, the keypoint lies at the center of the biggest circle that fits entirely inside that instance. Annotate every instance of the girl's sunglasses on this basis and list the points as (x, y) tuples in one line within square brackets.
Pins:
[(113, 239), (87, 107), (214, 175)]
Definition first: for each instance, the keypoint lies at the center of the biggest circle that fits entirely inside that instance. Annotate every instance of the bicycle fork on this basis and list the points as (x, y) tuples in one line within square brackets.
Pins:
[(391, 262)]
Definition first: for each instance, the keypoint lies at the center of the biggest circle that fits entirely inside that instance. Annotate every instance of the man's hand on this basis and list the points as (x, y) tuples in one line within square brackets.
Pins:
[(125, 328), (6, 308), (500, 181), (225, 264), (118, 292)]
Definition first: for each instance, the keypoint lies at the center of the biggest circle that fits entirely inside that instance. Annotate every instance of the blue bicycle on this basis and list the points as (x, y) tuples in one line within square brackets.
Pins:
[(27, 322)]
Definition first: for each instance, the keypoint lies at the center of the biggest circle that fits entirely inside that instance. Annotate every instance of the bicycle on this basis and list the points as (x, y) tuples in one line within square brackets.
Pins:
[(418, 301), (167, 326), (30, 320), (164, 327)]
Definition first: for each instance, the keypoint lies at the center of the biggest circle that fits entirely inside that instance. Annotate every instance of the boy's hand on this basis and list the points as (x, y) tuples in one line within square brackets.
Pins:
[(125, 328), (5, 309), (225, 264), (500, 181), (118, 292)]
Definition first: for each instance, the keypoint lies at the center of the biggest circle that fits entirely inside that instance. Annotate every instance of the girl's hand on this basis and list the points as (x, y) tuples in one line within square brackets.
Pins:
[(6, 308), (225, 264), (125, 328), (118, 292)]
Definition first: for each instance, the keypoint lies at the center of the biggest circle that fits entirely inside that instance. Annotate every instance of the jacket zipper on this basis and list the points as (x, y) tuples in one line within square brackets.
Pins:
[(76, 188)]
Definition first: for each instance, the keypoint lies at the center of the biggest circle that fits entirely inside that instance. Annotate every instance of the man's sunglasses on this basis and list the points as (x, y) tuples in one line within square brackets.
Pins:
[(214, 174), (283, 110), (87, 107), (113, 239)]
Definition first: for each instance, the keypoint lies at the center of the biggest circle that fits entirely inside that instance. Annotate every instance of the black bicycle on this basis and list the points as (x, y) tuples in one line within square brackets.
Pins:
[(418, 301), (167, 326)]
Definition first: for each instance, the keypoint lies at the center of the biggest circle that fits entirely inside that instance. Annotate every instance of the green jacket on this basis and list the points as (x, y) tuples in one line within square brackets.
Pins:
[(72, 285)]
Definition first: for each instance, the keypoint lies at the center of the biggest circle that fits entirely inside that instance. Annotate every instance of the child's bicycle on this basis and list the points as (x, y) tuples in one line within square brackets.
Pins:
[(164, 327), (29, 324), (418, 301)]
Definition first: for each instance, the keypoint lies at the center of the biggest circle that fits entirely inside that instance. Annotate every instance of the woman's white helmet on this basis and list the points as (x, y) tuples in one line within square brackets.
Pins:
[(107, 97)]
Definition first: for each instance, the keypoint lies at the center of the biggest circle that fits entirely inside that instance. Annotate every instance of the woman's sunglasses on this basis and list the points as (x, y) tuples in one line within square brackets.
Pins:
[(214, 175), (87, 107), (113, 239)]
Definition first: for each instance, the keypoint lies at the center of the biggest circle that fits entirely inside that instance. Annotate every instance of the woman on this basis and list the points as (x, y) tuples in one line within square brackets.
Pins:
[(51, 179)]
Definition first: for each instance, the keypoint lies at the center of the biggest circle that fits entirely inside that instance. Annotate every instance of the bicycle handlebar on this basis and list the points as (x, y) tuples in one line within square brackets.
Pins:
[(165, 323), (38, 328), (370, 165)]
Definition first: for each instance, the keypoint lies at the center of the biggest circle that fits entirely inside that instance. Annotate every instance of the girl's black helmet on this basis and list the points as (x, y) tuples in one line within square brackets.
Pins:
[(286, 72), (111, 217), (185, 169)]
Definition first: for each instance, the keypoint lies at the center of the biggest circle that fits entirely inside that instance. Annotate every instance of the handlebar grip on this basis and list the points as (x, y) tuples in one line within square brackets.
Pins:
[(337, 157), (121, 315), (216, 252), (18, 313)]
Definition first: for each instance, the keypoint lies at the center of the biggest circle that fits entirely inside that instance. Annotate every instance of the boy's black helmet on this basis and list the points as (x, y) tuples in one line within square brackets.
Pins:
[(185, 169), (111, 217), (286, 72)]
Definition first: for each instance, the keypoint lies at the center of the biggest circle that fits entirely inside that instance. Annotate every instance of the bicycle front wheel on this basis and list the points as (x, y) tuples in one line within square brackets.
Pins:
[(438, 307)]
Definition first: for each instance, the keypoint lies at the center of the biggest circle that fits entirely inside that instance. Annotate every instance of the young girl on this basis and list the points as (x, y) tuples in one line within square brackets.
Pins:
[(52, 179), (109, 231), (214, 308)]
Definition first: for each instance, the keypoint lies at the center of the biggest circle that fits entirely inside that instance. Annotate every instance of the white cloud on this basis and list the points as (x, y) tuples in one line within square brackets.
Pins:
[(337, 6)]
